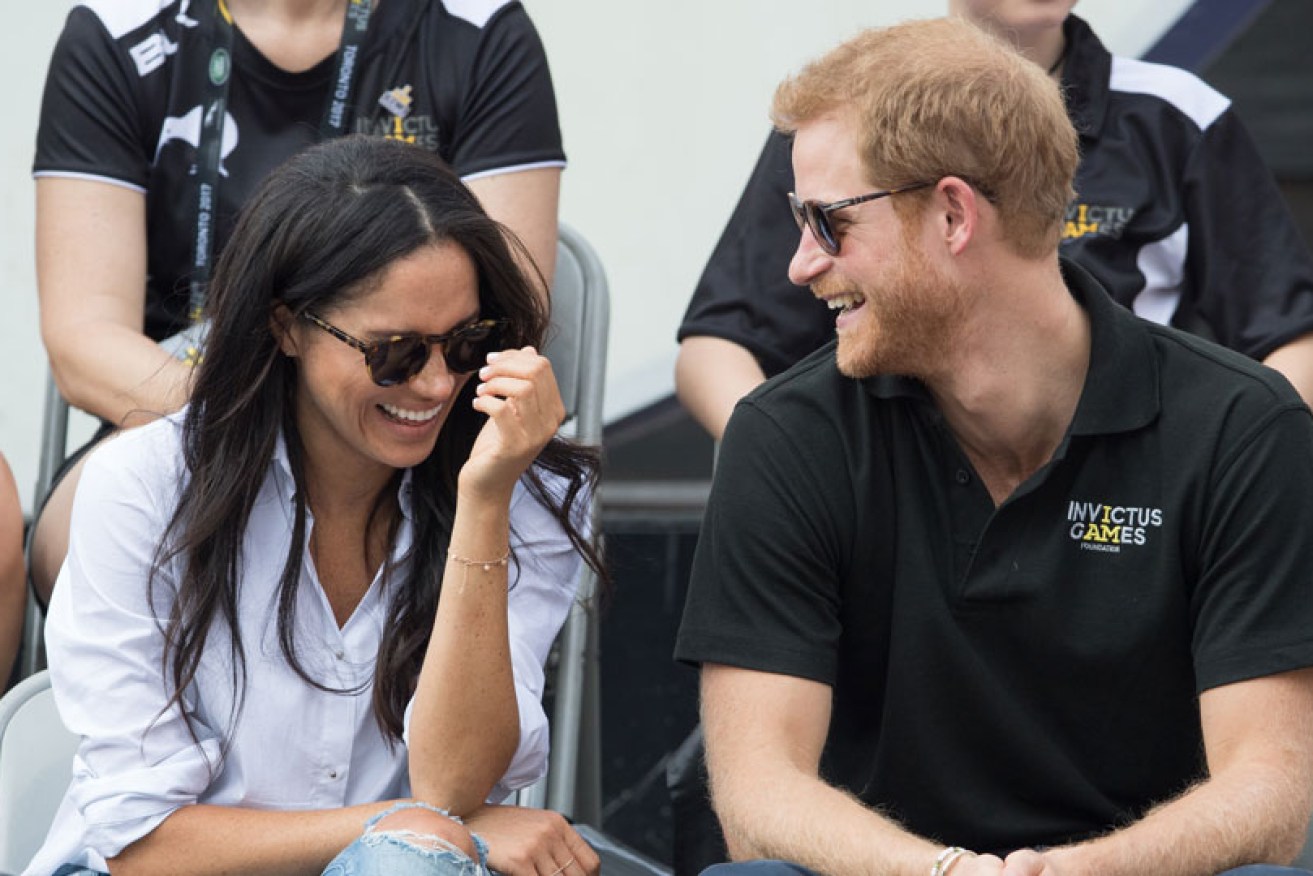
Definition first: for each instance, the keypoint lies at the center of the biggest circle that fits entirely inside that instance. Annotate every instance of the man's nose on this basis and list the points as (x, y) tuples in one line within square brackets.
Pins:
[(809, 260)]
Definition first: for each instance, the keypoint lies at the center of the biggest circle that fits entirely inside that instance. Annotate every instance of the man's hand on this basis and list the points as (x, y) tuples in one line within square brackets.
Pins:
[(532, 842), (1027, 862), (976, 865)]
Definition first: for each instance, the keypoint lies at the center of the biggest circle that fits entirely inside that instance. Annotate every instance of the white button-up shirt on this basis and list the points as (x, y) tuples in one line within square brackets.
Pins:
[(289, 745)]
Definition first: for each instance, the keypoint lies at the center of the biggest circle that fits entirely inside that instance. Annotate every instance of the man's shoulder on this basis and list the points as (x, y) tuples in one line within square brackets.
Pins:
[(1221, 368), (1209, 389), (816, 376)]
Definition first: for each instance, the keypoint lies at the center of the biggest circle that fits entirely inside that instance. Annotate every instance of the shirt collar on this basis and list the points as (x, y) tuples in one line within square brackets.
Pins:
[(1086, 72), (1121, 386), (1121, 391), (281, 468)]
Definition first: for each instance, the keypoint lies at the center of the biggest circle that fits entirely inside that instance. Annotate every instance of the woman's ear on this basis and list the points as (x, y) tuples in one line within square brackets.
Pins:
[(281, 324)]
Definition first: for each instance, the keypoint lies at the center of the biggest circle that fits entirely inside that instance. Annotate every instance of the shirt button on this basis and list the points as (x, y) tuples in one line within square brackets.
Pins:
[(963, 476), (339, 654), (332, 774)]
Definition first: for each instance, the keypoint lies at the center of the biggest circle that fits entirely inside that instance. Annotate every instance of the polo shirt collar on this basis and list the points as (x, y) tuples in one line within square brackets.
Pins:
[(1086, 73), (1121, 391)]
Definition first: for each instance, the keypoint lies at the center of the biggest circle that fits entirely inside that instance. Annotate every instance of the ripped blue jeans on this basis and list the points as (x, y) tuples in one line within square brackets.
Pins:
[(406, 853)]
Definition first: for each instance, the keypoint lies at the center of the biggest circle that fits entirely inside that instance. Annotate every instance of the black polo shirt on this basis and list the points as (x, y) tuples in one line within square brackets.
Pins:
[(1025, 675)]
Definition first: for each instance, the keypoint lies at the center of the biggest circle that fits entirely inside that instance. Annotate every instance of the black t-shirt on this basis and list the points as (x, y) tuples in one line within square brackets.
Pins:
[(1176, 214), (1026, 676), (123, 98)]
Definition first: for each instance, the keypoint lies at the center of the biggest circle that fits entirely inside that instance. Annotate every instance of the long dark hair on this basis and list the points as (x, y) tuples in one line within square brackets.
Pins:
[(319, 229)]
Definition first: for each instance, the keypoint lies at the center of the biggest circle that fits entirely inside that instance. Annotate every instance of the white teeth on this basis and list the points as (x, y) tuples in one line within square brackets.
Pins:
[(411, 416), (845, 302)]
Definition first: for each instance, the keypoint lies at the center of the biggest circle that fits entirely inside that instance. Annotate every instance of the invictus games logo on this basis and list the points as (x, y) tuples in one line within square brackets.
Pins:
[(397, 101), (402, 123), (1083, 220), (1109, 528)]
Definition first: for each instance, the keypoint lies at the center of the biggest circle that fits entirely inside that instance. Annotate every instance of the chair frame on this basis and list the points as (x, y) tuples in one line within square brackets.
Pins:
[(573, 784), (24, 802)]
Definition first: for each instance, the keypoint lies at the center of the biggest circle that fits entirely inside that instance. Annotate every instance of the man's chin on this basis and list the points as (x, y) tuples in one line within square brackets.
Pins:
[(855, 363)]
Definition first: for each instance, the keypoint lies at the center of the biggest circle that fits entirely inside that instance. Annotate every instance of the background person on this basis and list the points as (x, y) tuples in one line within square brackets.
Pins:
[(13, 572), (1005, 568), (322, 594), (119, 155), (1175, 213)]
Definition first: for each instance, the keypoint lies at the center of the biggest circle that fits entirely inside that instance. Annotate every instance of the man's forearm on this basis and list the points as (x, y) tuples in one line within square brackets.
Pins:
[(1252, 816), (801, 819)]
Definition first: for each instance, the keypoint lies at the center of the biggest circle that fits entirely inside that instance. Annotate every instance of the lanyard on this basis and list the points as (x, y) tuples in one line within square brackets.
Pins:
[(217, 75)]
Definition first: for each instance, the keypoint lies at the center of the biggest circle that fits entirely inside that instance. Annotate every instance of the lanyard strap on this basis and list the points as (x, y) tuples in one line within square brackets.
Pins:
[(209, 154)]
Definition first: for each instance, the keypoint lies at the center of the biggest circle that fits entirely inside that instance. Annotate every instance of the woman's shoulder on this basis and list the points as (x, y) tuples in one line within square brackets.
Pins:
[(150, 455)]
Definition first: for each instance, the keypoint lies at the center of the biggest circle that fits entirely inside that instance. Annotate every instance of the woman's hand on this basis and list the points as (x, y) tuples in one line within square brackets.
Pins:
[(518, 392), (532, 842)]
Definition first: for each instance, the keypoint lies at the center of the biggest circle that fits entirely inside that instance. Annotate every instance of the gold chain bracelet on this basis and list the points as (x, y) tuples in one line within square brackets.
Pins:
[(487, 565)]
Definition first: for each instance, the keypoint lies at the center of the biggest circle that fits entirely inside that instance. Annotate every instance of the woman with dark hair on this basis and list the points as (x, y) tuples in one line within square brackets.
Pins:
[(318, 600)]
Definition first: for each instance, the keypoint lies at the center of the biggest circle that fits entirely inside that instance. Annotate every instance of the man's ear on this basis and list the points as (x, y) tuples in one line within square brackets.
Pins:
[(959, 208), (280, 323)]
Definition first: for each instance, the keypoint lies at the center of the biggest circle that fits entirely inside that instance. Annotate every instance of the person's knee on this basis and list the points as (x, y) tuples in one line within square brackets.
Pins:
[(411, 839), (427, 829)]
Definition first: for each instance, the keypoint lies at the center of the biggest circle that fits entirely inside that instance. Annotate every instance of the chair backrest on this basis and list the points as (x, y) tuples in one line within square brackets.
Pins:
[(576, 344), (577, 349), (36, 761)]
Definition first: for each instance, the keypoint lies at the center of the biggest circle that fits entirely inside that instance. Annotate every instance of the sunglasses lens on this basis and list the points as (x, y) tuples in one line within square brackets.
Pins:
[(819, 221), (468, 349), (397, 360)]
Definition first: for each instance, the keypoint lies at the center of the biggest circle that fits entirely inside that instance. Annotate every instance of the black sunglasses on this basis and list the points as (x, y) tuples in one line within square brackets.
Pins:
[(401, 357), (816, 215)]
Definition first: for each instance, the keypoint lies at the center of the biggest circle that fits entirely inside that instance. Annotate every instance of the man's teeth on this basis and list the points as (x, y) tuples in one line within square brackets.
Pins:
[(845, 302), (411, 416)]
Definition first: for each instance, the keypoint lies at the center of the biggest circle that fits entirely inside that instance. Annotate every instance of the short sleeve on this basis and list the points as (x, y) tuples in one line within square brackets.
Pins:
[(764, 589), (744, 294), (508, 118), (1253, 614), (89, 123)]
